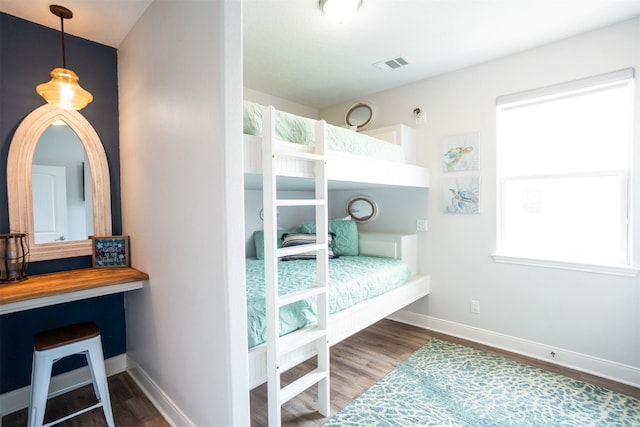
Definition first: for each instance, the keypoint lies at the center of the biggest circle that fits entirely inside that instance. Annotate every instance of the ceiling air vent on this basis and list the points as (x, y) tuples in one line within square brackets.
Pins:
[(392, 64)]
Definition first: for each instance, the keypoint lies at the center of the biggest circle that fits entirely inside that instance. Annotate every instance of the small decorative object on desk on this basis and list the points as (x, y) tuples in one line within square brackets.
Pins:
[(111, 251), (14, 257)]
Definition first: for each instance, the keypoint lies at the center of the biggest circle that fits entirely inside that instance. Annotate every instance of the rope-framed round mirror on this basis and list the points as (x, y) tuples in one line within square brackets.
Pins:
[(362, 209), (360, 115)]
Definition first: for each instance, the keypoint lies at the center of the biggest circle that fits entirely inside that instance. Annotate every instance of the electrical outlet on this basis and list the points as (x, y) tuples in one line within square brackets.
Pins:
[(422, 225), (475, 306)]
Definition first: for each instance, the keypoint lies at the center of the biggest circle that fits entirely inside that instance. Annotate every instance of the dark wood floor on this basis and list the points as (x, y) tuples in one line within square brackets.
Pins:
[(356, 364), (131, 408)]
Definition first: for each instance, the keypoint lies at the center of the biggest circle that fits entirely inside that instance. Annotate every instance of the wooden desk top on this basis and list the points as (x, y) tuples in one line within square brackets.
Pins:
[(78, 284)]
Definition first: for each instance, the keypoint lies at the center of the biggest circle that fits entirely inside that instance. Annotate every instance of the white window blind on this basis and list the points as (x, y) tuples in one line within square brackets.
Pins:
[(564, 167)]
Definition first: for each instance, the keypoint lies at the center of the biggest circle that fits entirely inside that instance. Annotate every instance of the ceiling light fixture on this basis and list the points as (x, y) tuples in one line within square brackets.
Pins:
[(63, 89), (340, 11)]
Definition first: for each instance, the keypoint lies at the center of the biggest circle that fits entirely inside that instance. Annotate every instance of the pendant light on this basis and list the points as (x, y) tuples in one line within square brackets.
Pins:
[(340, 11), (63, 89)]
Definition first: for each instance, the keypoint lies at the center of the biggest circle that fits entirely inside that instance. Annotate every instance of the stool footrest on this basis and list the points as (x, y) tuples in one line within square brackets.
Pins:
[(75, 414)]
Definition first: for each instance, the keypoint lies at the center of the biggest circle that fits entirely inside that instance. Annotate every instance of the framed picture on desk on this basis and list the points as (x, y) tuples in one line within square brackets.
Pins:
[(111, 251)]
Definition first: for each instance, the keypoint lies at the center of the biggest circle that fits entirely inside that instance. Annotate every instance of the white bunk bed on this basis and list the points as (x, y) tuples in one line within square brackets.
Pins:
[(341, 166), (295, 153), (351, 320)]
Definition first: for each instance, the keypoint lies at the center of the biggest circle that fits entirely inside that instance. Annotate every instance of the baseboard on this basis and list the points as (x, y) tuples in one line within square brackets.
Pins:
[(18, 399), (167, 407), (581, 362)]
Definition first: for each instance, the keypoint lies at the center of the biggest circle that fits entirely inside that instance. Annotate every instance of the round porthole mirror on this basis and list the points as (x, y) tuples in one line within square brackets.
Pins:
[(360, 115), (362, 209)]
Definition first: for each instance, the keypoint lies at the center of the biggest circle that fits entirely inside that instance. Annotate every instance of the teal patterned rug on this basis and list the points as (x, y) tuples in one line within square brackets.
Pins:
[(446, 384)]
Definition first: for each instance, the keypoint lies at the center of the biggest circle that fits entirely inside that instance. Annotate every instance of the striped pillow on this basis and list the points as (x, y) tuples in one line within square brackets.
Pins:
[(296, 239)]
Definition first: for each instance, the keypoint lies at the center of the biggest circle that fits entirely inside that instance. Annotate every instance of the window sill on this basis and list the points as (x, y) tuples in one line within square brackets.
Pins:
[(615, 270)]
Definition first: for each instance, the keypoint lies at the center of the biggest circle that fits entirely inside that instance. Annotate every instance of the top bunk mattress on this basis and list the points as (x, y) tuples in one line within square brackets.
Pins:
[(352, 279), (301, 130)]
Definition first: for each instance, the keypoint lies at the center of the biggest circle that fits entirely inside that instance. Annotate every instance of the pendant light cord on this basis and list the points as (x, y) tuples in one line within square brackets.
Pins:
[(64, 56), (63, 90)]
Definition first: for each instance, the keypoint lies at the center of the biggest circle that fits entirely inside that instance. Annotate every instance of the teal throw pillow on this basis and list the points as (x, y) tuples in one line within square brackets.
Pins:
[(346, 235)]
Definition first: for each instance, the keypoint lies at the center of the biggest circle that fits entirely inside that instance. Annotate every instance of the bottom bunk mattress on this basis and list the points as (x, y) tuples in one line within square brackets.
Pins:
[(352, 279)]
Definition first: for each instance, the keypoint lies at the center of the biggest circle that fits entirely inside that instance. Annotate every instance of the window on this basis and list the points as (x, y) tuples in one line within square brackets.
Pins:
[(564, 168)]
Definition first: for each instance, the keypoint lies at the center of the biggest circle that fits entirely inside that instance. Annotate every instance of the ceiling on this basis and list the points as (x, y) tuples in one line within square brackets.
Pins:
[(292, 51), (102, 21)]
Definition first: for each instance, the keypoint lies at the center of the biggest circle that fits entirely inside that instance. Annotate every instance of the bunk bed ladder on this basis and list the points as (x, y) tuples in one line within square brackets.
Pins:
[(278, 346)]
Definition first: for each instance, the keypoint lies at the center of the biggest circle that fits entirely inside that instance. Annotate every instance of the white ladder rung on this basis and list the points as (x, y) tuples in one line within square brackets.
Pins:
[(300, 202), (300, 338), (301, 384), (300, 249), (300, 295)]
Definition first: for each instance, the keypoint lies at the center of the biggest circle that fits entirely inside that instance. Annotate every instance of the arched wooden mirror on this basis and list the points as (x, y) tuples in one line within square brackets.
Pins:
[(362, 209), (360, 115), (34, 130)]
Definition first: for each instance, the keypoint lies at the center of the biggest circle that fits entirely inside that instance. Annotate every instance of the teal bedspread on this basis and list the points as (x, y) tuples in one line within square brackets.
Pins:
[(301, 130), (352, 279)]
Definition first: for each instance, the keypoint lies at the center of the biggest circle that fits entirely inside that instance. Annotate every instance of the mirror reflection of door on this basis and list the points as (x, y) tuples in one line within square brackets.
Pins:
[(49, 187), (60, 147)]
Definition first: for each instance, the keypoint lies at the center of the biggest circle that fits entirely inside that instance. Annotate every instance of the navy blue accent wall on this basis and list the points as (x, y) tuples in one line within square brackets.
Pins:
[(28, 52), (17, 331)]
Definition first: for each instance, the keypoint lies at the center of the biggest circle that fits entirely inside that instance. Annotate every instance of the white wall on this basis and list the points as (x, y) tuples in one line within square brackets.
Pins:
[(591, 320), (180, 116)]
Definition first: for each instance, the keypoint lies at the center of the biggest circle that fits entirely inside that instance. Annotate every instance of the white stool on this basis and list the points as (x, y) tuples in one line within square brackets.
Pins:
[(53, 345)]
